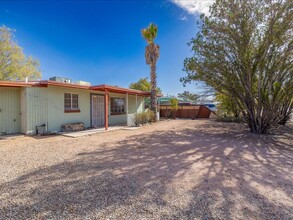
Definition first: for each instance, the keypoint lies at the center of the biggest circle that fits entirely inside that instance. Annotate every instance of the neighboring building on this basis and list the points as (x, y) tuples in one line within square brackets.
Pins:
[(26, 105), (166, 100)]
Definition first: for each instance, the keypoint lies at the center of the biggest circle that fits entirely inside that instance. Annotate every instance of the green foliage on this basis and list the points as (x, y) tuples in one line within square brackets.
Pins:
[(143, 84), (150, 33), (227, 106), (145, 117), (186, 95), (14, 65), (244, 50), (174, 103), (228, 118)]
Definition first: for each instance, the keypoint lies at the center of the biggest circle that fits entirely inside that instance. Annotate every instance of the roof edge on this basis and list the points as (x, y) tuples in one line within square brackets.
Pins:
[(46, 83)]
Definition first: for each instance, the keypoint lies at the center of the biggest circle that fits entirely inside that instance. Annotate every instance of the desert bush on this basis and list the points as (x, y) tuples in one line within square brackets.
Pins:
[(145, 117), (228, 118)]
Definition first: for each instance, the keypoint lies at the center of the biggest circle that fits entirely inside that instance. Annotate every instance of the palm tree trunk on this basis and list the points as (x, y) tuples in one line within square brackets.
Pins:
[(153, 88)]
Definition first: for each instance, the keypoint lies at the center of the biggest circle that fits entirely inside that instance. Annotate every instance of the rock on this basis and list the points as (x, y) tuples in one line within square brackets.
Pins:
[(72, 127)]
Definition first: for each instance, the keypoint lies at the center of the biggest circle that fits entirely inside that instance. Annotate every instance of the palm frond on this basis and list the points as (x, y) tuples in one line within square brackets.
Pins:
[(150, 33)]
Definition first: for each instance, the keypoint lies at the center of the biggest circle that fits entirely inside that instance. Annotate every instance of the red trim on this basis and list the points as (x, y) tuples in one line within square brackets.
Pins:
[(72, 111), (119, 90), (67, 85), (46, 83), (17, 84)]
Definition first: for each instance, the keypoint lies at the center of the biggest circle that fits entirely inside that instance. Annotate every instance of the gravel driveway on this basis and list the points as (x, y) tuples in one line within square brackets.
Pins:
[(178, 169)]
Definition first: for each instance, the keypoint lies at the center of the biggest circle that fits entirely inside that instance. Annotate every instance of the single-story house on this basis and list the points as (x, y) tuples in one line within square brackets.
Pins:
[(26, 105)]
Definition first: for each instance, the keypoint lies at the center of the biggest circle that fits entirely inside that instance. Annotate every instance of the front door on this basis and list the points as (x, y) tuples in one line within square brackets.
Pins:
[(98, 110)]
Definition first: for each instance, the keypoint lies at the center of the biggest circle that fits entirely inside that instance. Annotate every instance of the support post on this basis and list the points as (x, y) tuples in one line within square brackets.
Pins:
[(126, 103), (158, 104), (136, 102), (106, 109)]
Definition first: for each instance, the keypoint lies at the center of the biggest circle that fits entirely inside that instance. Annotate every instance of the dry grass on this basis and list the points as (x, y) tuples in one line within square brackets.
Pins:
[(170, 170)]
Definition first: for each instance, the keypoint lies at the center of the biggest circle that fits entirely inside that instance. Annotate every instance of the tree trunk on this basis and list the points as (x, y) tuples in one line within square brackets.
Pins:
[(153, 88)]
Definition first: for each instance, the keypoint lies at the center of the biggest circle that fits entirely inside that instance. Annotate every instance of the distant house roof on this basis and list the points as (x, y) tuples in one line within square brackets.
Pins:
[(166, 100), (45, 83)]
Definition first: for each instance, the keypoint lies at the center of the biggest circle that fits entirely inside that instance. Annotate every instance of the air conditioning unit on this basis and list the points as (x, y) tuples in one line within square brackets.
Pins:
[(82, 83), (60, 79)]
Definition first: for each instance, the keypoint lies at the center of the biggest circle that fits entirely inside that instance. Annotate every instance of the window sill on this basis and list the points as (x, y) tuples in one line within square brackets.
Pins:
[(116, 113), (72, 111)]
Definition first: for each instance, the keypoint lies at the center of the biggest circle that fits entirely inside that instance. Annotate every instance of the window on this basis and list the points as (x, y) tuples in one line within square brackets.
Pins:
[(71, 102), (117, 106)]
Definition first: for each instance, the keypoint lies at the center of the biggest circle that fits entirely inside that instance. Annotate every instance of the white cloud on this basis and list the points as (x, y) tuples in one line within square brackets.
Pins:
[(183, 18), (194, 6)]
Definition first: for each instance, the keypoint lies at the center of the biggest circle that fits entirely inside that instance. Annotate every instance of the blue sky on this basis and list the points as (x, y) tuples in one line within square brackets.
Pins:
[(100, 41)]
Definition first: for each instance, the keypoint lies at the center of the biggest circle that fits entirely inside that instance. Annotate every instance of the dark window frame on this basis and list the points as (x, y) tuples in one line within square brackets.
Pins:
[(117, 108), (71, 107)]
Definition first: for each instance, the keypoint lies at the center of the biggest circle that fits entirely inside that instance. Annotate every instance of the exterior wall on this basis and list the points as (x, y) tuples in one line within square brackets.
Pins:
[(46, 105), (140, 104), (9, 110), (117, 119), (134, 106), (22, 109), (34, 108), (56, 115), (131, 104)]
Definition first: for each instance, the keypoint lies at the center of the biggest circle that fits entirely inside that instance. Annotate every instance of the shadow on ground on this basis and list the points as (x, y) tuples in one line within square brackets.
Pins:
[(200, 173)]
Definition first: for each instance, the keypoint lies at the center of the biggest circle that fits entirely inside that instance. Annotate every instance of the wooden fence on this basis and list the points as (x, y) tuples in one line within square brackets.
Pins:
[(185, 111)]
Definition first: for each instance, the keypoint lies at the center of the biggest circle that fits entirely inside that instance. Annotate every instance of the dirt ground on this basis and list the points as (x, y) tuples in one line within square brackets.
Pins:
[(178, 169)]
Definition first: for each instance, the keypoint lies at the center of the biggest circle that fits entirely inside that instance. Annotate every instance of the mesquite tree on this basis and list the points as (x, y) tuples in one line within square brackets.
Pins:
[(244, 49), (14, 64)]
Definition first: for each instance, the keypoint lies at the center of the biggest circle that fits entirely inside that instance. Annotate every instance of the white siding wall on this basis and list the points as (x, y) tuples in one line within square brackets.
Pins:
[(22, 109), (9, 110), (56, 114), (35, 108), (117, 119)]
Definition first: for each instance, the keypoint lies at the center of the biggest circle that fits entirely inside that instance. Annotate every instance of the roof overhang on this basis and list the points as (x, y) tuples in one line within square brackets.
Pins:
[(46, 83), (117, 89), (17, 84)]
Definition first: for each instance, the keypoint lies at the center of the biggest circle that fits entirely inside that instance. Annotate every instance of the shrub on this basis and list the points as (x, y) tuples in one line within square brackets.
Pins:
[(227, 118), (145, 117)]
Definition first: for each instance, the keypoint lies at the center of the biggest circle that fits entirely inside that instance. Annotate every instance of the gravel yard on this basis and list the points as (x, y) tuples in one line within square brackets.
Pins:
[(178, 169)]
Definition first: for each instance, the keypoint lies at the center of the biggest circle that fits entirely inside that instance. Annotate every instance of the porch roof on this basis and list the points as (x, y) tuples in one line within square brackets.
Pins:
[(16, 84), (118, 89)]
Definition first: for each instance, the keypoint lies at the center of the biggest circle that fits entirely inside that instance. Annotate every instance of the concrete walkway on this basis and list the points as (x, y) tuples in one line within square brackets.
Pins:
[(97, 130)]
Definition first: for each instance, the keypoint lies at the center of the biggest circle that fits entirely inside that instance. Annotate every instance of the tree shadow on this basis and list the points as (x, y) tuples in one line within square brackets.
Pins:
[(207, 172)]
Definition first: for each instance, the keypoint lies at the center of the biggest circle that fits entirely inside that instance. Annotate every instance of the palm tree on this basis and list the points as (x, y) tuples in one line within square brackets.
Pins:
[(152, 53)]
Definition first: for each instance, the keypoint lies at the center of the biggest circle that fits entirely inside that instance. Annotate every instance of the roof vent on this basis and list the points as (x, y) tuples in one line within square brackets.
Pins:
[(60, 79)]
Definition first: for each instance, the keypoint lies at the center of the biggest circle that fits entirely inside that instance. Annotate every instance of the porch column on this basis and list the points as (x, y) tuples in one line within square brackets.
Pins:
[(126, 103), (136, 103), (158, 105), (106, 109)]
